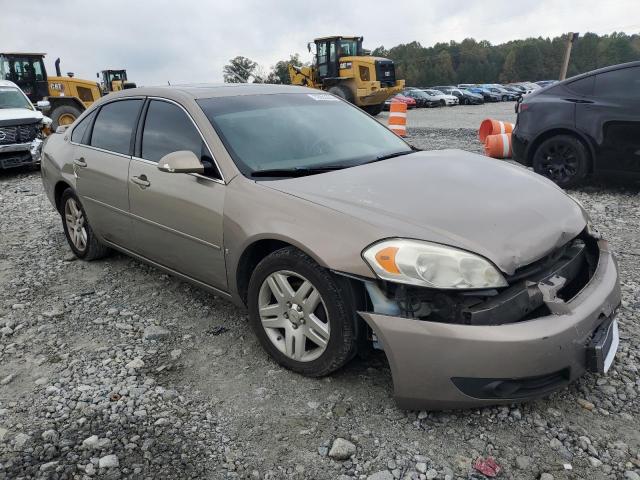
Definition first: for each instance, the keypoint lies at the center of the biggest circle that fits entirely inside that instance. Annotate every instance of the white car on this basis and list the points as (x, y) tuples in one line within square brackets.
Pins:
[(442, 98), (21, 127)]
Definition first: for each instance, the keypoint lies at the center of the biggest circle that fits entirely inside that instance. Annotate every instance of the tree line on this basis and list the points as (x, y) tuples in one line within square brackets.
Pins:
[(472, 61)]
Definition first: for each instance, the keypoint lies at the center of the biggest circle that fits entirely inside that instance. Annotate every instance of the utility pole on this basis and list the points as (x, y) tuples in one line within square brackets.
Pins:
[(567, 54)]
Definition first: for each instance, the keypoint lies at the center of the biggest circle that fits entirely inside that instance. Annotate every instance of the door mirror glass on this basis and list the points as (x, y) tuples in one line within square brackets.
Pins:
[(182, 161)]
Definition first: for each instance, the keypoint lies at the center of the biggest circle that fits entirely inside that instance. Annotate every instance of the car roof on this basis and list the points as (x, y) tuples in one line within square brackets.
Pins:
[(199, 91), (7, 83), (598, 71)]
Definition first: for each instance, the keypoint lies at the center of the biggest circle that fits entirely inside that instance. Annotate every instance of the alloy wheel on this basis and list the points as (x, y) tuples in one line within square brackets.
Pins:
[(559, 161), (294, 315), (75, 222)]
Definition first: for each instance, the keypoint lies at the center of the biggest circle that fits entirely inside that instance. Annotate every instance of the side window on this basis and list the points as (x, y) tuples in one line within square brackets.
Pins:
[(167, 129), (584, 86), (79, 130), (114, 126), (623, 84)]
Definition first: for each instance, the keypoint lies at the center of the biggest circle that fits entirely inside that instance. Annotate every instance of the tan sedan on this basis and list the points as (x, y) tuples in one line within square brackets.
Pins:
[(483, 282)]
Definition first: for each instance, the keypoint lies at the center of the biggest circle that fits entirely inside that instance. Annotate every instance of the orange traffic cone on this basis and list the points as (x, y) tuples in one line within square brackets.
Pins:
[(493, 127), (498, 146), (398, 118)]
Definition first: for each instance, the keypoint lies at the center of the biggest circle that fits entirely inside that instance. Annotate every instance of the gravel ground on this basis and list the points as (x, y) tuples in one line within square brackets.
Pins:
[(461, 116), (114, 370)]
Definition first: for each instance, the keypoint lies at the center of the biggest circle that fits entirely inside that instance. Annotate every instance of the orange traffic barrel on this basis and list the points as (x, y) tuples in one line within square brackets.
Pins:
[(493, 127), (498, 146), (398, 118)]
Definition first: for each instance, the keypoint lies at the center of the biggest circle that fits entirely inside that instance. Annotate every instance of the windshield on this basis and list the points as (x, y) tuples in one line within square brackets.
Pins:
[(348, 48), (297, 131), (11, 97)]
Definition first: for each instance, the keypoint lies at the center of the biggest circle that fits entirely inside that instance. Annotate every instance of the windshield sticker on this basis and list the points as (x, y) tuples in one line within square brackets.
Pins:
[(323, 97)]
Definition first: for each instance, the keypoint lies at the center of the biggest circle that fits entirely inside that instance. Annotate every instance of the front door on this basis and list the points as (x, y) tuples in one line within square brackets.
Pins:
[(177, 216), (101, 166)]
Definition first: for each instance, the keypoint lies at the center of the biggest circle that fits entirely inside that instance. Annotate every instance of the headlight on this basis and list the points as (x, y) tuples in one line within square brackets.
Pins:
[(431, 265)]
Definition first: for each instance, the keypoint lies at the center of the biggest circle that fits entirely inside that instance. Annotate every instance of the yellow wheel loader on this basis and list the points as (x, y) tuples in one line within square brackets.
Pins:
[(114, 81), (340, 67), (68, 96)]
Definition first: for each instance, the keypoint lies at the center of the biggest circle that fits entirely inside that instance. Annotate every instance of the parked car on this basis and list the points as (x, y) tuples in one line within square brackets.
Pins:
[(320, 228), (517, 93), (487, 94), (421, 98), (443, 99), (546, 83), (21, 128), (410, 102), (464, 97), (588, 124), (504, 94)]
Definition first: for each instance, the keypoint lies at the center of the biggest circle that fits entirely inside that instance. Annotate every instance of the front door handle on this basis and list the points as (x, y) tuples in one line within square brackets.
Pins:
[(141, 181), (80, 162)]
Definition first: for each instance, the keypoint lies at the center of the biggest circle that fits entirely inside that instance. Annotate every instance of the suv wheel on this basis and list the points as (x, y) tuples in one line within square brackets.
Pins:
[(300, 315), (80, 236), (563, 159), (342, 91)]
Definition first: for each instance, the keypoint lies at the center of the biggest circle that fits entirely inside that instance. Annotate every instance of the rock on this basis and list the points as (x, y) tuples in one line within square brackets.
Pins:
[(595, 463), (176, 354), (342, 449), (47, 467), (431, 474), (523, 462), (421, 467), (7, 379), (155, 332), (20, 441), (631, 475), (555, 444), (6, 331), (135, 364), (546, 476), (91, 442), (381, 475), (50, 436), (323, 451), (3, 434), (109, 461), (586, 404), (89, 469)]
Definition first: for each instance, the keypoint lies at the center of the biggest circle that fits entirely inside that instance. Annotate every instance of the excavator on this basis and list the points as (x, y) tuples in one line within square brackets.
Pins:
[(340, 67)]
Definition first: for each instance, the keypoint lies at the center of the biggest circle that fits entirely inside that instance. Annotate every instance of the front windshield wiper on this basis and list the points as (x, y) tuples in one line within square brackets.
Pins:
[(392, 155), (296, 171)]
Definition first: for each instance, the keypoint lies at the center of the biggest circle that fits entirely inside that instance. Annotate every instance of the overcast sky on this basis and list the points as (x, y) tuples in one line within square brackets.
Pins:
[(190, 40)]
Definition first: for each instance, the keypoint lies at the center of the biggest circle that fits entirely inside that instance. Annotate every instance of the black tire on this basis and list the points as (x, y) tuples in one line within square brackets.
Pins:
[(342, 91), (564, 159), (505, 98), (94, 250), (342, 344), (373, 110), (443, 103), (63, 110), (465, 101)]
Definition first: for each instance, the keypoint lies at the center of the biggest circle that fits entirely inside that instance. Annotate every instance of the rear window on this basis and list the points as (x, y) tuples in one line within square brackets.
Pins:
[(623, 84), (583, 86), (114, 126)]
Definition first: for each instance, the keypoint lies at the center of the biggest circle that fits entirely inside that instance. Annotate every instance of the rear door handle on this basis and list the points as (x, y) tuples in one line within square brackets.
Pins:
[(578, 100), (80, 162), (141, 180)]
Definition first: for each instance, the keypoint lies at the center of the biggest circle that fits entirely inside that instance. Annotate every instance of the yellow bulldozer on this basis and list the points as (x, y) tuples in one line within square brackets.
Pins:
[(341, 67)]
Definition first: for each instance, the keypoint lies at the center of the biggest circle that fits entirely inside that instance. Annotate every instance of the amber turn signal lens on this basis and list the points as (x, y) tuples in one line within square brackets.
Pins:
[(386, 258)]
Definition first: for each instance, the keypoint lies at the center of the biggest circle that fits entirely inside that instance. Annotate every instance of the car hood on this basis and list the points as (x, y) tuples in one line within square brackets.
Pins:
[(19, 114), (501, 211)]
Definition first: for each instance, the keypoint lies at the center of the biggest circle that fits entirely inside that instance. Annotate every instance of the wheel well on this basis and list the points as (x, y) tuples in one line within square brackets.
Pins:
[(559, 131), (253, 255), (57, 193), (67, 101)]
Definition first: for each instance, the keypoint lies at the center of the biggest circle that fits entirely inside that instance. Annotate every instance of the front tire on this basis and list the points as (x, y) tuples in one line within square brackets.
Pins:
[(80, 236), (563, 159), (64, 115), (300, 314), (373, 110), (343, 92)]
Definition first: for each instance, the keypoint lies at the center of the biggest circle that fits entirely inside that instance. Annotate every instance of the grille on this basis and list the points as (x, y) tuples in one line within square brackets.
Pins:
[(385, 73), (18, 134)]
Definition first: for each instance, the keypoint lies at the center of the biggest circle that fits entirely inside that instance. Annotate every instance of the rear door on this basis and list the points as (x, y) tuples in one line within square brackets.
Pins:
[(177, 216), (101, 165), (611, 118)]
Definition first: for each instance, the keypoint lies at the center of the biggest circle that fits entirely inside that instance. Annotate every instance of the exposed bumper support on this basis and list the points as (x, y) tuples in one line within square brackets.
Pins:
[(426, 356)]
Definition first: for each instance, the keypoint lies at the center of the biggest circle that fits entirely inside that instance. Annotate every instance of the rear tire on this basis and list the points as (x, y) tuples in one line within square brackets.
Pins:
[(465, 101), (80, 236), (274, 319), (443, 103), (64, 115), (342, 92), (563, 159), (373, 110), (505, 98)]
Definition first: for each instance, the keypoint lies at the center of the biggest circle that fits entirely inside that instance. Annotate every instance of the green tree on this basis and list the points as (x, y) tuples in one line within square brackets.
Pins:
[(239, 70), (280, 71)]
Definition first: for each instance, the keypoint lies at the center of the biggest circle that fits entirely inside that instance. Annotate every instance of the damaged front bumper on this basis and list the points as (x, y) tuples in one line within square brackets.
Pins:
[(19, 154), (438, 365)]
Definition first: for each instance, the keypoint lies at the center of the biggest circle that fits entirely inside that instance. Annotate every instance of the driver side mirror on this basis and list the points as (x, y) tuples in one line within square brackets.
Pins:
[(182, 161)]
